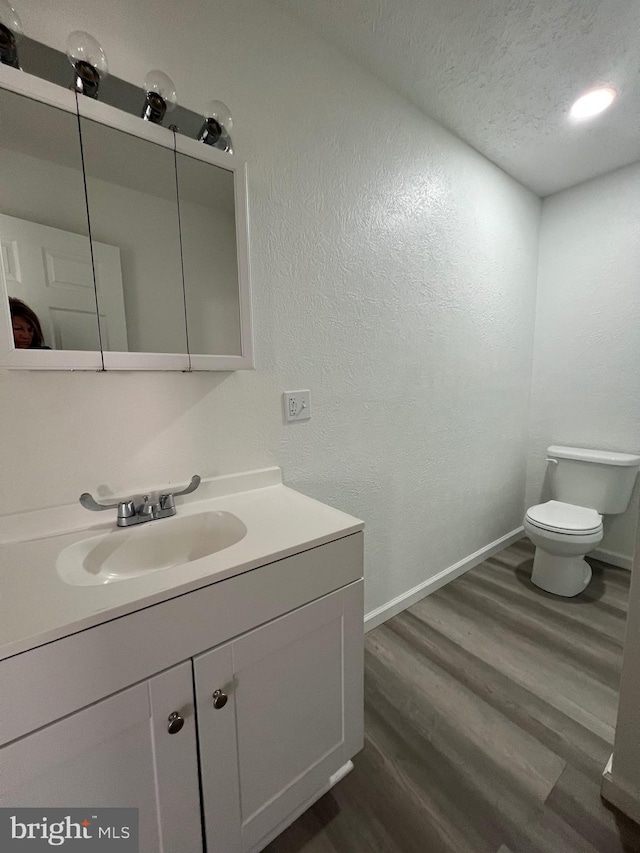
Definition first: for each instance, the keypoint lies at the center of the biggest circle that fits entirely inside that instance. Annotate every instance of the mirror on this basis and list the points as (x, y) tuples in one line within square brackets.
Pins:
[(135, 232), (46, 255), (128, 240), (210, 257)]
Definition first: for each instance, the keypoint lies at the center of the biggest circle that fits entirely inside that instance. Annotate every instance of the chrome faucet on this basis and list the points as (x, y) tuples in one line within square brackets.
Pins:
[(133, 512)]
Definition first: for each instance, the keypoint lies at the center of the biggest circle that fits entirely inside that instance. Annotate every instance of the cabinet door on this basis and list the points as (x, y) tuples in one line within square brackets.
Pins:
[(292, 719), (118, 752)]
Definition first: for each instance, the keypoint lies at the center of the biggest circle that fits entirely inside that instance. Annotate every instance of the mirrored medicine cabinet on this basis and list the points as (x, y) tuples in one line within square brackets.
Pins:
[(127, 241)]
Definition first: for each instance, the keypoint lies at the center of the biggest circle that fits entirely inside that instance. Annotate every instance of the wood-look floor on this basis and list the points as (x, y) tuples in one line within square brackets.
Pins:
[(489, 716)]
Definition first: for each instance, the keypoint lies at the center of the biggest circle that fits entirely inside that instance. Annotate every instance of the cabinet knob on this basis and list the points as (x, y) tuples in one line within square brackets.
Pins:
[(219, 699), (176, 722)]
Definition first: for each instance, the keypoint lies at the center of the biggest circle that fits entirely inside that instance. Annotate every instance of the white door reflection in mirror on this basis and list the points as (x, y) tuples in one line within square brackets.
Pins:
[(50, 270)]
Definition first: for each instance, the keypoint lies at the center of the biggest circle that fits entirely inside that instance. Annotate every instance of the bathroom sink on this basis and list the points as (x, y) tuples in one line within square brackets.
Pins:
[(125, 553)]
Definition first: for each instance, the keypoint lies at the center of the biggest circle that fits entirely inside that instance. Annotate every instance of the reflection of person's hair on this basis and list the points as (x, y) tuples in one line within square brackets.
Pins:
[(19, 309)]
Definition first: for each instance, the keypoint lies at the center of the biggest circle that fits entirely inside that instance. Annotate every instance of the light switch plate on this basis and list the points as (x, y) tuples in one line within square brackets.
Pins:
[(297, 405)]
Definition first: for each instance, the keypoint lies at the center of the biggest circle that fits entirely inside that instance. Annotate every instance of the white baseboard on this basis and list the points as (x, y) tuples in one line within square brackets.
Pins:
[(396, 605), (618, 796), (613, 558)]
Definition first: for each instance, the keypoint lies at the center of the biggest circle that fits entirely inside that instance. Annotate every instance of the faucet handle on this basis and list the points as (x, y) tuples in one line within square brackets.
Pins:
[(193, 485), (166, 499), (126, 509), (166, 502), (88, 502)]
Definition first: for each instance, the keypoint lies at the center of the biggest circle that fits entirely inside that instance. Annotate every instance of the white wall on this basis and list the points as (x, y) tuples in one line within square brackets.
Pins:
[(586, 390), (394, 274)]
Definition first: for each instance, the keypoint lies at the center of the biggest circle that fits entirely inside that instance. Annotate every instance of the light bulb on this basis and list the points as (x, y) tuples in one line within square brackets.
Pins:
[(89, 61), (160, 96), (216, 127), (593, 103), (10, 32), (220, 112)]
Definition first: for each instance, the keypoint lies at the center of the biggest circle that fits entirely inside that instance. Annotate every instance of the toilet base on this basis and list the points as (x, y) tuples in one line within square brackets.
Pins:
[(566, 576)]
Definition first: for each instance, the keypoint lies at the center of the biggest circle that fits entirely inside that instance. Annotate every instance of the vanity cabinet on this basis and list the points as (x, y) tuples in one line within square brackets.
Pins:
[(292, 718), (267, 714), (117, 752)]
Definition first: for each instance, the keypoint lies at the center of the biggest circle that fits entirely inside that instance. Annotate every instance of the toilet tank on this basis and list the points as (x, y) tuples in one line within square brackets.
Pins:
[(598, 479)]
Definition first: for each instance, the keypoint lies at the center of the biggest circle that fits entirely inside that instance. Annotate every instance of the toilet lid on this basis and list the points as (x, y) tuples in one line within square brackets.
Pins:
[(565, 518)]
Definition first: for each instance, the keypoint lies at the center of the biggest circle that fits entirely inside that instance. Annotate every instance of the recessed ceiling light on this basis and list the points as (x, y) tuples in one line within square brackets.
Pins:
[(594, 102)]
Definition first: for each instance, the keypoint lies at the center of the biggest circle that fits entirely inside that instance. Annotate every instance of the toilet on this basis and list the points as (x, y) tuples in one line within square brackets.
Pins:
[(585, 485)]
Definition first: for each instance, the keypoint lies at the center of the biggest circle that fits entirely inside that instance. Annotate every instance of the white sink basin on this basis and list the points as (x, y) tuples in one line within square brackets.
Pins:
[(125, 553)]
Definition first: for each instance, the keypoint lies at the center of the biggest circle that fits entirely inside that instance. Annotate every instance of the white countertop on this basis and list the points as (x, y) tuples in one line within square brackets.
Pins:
[(37, 606)]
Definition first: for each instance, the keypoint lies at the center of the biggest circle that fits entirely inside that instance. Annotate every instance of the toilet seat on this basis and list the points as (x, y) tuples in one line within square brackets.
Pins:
[(568, 519)]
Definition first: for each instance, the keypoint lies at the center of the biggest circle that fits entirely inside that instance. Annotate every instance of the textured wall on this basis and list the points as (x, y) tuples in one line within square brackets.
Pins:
[(586, 389), (503, 74), (394, 274)]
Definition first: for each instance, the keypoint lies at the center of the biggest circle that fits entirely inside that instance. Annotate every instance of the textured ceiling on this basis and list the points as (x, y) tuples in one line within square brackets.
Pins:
[(502, 74)]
